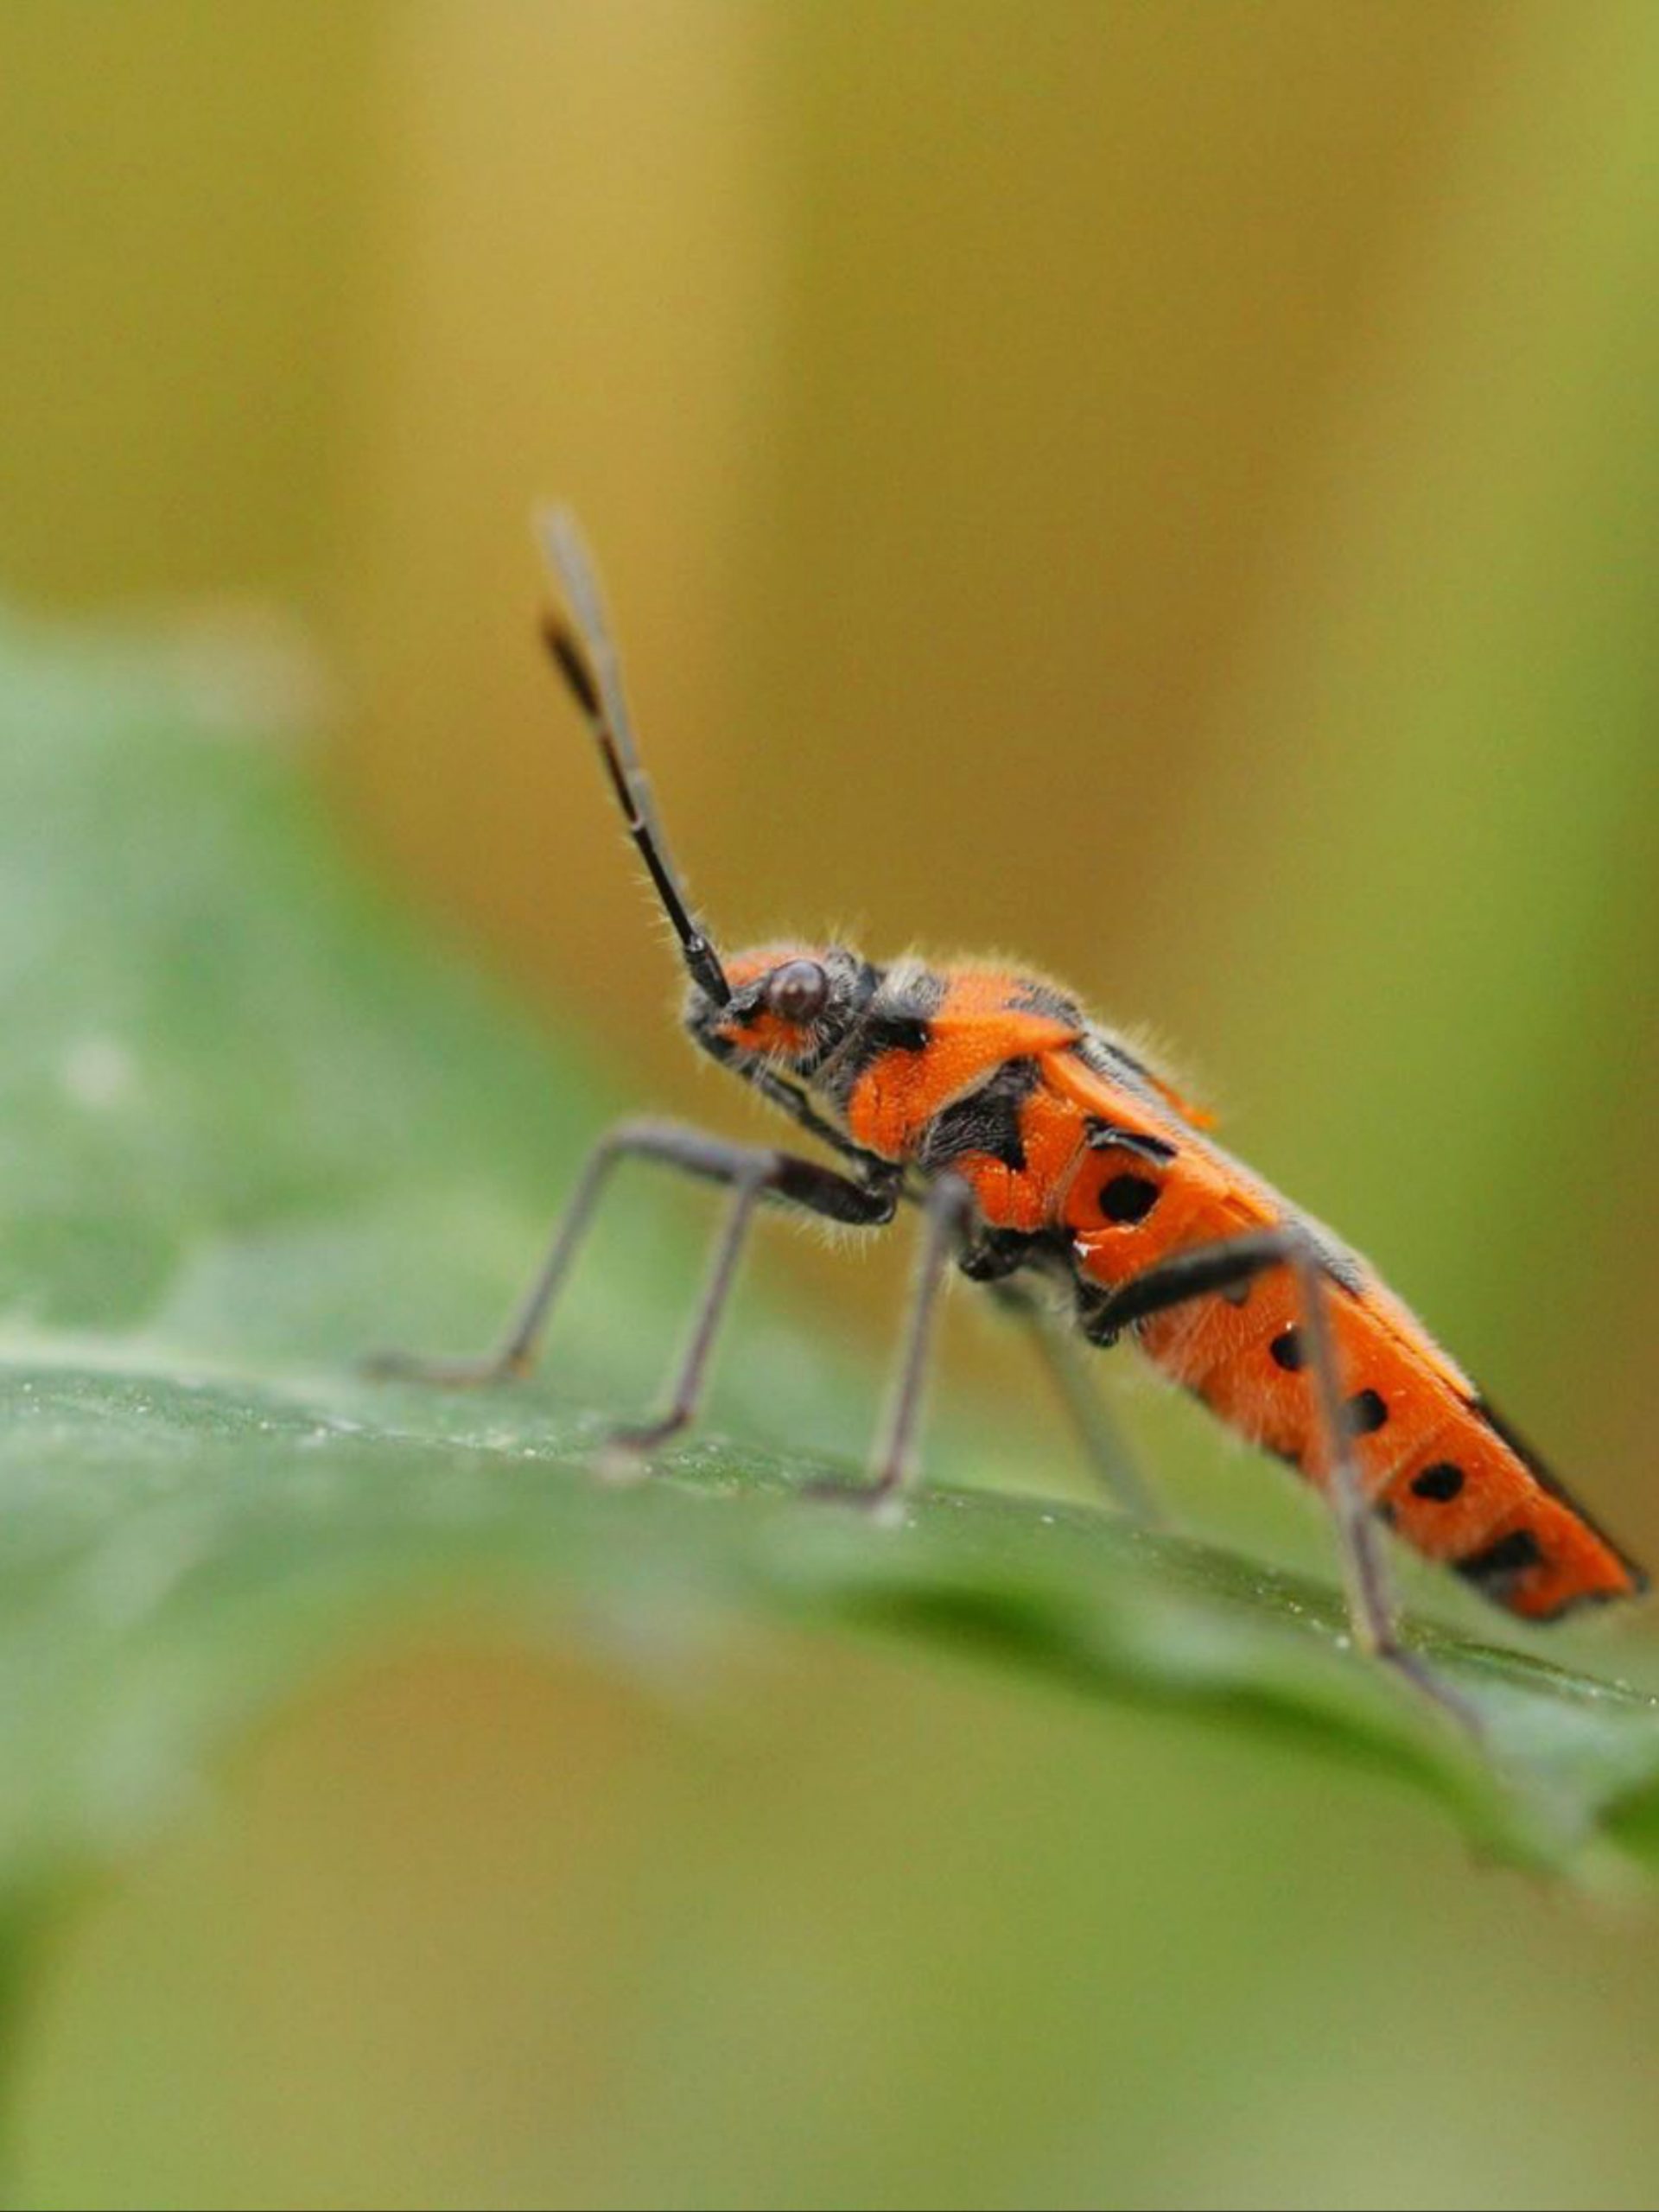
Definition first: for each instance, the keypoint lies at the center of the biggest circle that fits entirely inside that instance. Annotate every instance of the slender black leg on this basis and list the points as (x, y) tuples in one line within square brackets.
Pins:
[(1067, 1362), (946, 1207), (1223, 1266), (754, 1171), (945, 1212), (711, 1307)]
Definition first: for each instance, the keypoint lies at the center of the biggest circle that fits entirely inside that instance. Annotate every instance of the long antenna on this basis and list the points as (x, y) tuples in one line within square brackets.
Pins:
[(578, 636)]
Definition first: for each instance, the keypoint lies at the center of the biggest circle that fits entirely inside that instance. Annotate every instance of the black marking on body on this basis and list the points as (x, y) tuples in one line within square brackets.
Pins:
[(1442, 1483), (1367, 1411), (883, 1032), (1101, 1135), (897, 1019), (1286, 1352), (987, 1121), (1129, 1198), (1498, 1564)]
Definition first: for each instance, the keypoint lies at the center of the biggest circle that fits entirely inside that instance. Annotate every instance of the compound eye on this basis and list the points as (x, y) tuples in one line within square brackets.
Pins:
[(797, 991)]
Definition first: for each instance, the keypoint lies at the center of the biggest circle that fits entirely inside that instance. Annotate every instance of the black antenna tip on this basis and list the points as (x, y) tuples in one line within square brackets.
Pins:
[(572, 663)]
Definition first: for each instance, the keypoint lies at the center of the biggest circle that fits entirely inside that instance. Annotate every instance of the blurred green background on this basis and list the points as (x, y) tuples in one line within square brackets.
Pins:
[(1172, 490)]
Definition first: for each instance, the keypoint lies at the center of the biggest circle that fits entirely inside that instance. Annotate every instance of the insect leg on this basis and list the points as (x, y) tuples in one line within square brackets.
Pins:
[(755, 1171), (1101, 1439), (946, 1207), (1208, 1269), (746, 1192)]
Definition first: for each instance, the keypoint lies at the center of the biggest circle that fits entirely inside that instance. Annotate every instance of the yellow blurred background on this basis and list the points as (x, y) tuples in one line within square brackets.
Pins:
[(1167, 489)]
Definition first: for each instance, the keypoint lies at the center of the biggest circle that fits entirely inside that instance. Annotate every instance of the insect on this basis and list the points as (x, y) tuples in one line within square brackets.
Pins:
[(1041, 1152)]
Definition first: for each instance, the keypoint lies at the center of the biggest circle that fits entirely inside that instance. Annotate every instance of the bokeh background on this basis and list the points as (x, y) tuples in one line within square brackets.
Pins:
[(1172, 490)]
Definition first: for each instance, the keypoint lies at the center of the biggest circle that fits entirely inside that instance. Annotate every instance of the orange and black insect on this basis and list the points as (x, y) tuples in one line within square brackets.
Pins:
[(1043, 1155)]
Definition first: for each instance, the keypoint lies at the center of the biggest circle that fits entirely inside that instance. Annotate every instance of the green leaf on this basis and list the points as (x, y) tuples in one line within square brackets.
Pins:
[(249, 1130)]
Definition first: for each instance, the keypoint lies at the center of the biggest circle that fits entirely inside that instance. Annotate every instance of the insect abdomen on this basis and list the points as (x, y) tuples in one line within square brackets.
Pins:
[(1454, 1483), (1436, 1463)]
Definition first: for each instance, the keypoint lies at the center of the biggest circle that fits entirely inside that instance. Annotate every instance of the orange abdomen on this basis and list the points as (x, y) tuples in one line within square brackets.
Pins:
[(1436, 1463)]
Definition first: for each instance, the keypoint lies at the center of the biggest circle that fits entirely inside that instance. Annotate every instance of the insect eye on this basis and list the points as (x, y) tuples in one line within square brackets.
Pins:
[(798, 990)]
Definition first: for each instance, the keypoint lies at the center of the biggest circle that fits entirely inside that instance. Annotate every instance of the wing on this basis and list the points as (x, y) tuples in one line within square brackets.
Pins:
[(1101, 1076), (1119, 1061)]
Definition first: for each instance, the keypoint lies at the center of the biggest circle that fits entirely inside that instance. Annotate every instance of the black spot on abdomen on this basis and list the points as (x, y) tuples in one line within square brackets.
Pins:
[(1442, 1483), (1127, 1199), (1510, 1555), (1367, 1412)]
